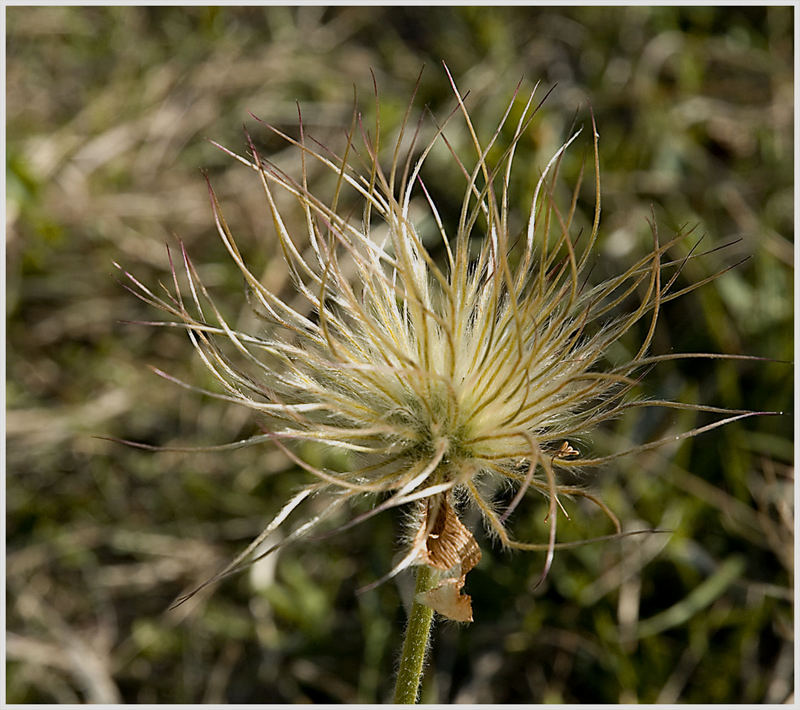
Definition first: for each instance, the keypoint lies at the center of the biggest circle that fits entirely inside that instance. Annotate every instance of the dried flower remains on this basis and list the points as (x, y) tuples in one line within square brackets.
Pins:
[(446, 380)]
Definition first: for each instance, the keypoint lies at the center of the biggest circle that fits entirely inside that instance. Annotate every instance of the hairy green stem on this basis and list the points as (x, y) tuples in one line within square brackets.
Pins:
[(415, 644)]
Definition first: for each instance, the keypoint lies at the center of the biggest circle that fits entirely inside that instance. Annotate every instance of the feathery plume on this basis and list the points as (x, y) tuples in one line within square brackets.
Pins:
[(443, 378)]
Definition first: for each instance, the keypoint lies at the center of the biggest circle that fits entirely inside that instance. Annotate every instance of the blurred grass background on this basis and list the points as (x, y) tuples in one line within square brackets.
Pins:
[(107, 112)]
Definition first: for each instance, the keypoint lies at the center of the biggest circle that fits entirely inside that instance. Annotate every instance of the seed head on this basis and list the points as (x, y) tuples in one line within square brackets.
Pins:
[(446, 376)]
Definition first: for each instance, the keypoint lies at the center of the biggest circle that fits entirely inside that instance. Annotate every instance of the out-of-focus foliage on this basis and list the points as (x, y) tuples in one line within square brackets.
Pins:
[(107, 112)]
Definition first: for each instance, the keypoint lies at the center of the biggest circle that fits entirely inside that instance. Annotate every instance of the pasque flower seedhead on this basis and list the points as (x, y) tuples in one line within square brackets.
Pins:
[(446, 376)]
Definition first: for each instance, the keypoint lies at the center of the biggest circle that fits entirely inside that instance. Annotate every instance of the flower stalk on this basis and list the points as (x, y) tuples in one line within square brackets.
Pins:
[(415, 643)]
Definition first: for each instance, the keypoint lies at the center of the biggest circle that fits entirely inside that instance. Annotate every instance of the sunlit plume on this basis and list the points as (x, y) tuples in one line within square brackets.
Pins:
[(465, 373)]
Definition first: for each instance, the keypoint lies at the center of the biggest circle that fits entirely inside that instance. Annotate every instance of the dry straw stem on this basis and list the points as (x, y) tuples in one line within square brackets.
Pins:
[(446, 380)]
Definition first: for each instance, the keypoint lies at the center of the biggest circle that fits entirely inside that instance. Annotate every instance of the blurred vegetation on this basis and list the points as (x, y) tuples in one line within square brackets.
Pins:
[(107, 111)]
